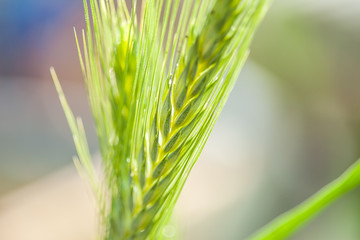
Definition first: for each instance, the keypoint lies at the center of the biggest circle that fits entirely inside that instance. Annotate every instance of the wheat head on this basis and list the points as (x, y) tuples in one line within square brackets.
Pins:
[(156, 86)]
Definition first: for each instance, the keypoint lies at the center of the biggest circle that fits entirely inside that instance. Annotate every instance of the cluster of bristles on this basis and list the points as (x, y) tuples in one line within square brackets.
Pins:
[(156, 89)]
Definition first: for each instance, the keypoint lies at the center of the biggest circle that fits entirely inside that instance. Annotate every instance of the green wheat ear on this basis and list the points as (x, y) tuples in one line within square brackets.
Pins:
[(156, 85)]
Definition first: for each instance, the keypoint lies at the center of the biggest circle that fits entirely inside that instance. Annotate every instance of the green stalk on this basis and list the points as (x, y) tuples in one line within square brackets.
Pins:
[(286, 224)]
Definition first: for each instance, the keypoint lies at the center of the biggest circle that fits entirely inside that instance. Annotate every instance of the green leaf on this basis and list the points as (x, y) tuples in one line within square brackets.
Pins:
[(286, 224)]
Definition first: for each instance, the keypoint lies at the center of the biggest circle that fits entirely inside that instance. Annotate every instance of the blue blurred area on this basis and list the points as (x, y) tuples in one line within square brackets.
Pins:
[(18, 18), (24, 25), (35, 34)]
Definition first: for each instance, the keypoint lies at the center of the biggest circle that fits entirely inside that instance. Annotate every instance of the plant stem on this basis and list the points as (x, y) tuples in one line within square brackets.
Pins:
[(286, 224)]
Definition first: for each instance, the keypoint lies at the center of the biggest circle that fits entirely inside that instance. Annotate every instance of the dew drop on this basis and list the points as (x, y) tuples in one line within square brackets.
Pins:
[(170, 79)]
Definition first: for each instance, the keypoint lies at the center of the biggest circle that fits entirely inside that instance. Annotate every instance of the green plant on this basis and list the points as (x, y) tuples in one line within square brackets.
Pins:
[(156, 85)]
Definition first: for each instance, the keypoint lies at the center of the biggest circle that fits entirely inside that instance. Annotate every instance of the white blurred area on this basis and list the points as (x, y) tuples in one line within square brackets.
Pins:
[(277, 141), (346, 11)]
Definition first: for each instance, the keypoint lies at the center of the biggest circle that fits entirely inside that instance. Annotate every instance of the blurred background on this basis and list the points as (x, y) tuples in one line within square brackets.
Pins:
[(291, 125)]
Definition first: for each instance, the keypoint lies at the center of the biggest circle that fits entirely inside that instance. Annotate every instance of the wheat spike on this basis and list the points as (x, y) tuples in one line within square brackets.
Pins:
[(156, 86), (184, 101)]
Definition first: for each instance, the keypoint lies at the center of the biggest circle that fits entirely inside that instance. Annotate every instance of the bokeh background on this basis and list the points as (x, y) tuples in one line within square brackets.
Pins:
[(291, 125)]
